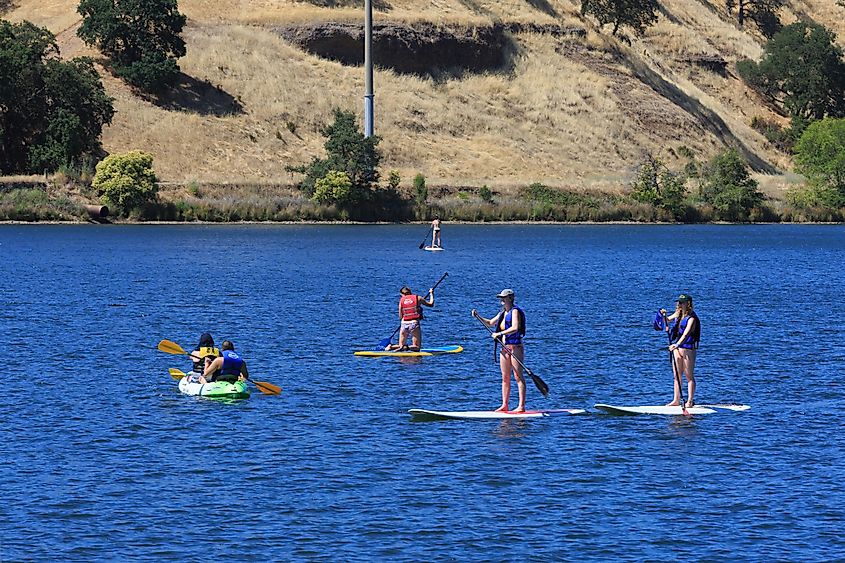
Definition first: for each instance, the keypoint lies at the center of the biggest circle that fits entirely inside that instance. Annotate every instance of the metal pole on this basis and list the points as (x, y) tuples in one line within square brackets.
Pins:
[(368, 68)]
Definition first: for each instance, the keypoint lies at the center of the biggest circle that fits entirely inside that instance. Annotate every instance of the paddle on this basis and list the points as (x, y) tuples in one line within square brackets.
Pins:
[(422, 244), (539, 383), (385, 341), (170, 347), (263, 386)]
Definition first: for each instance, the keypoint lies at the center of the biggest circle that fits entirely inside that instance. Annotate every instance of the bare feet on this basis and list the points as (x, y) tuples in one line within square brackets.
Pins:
[(519, 409), (503, 408), (690, 404), (674, 404)]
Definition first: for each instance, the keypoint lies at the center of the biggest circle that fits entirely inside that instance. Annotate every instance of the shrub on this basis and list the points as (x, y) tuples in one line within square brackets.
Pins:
[(127, 181), (393, 179), (333, 188), (658, 186), (820, 156), (420, 190), (485, 194), (636, 14), (728, 187)]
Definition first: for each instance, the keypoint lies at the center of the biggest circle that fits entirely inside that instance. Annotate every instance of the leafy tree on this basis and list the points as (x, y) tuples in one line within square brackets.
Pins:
[(420, 190), (636, 14), (657, 185), (729, 188), (485, 194), (802, 69), (347, 150), (820, 156), (140, 37), (393, 179), (334, 187), (126, 181), (52, 112), (761, 12)]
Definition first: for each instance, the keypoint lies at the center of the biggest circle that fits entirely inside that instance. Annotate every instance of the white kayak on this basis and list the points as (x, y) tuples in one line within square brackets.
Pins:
[(421, 414), (433, 248), (678, 410), (215, 389)]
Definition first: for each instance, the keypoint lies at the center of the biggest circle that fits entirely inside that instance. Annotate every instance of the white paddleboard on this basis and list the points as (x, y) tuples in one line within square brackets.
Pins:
[(433, 248), (421, 414), (654, 409)]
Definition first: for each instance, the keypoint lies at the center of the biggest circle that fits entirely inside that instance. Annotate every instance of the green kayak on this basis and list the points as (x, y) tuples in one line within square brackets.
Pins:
[(214, 390)]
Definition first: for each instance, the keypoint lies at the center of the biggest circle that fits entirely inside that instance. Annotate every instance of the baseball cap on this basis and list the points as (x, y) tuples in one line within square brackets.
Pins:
[(505, 293), (684, 298)]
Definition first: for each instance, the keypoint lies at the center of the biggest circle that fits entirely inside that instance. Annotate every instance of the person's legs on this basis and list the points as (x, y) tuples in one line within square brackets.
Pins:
[(505, 367), (519, 353)]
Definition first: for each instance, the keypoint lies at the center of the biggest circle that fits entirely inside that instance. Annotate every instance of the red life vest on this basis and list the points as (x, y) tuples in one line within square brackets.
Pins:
[(410, 308)]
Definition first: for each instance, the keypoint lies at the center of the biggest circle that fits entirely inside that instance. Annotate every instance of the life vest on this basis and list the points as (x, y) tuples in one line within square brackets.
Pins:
[(506, 321), (232, 364), (692, 339), (409, 307), (203, 353)]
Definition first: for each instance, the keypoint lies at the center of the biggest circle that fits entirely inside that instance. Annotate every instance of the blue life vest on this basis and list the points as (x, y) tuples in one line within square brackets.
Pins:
[(514, 337), (232, 363), (692, 339)]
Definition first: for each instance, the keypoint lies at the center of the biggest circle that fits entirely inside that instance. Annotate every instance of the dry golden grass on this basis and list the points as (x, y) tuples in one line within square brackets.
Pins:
[(572, 113)]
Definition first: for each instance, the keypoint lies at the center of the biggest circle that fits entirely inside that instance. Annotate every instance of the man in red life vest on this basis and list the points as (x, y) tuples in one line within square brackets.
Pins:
[(410, 315)]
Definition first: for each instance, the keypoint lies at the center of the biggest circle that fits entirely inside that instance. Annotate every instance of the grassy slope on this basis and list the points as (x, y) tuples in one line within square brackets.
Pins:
[(578, 113)]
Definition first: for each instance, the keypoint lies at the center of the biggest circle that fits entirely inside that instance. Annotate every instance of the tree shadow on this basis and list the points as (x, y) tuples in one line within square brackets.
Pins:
[(7, 6), (543, 6), (380, 5), (198, 96)]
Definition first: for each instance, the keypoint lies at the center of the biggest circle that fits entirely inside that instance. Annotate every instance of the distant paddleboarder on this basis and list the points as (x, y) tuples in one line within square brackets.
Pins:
[(684, 335), (410, 315), (435, 233), (509, 328)]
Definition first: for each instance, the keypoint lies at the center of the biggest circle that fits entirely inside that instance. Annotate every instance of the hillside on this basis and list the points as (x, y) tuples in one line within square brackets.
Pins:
[(567, 105)]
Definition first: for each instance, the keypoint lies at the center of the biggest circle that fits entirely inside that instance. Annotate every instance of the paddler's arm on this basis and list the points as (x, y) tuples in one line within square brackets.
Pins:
[(244, 371), (431, 296), (488, 322), (216, 364), (513, 328)]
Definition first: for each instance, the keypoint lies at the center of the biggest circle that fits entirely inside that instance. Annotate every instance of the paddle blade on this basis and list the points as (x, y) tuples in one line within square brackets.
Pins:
[(267, 388), (176, 373), (659, 322), (541, 385), (383, 343), (422, 245), (170, 347)]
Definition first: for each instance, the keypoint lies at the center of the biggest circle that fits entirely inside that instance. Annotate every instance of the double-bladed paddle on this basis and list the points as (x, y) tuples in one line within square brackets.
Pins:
[(170, 347), (539, 383), (385, 341)]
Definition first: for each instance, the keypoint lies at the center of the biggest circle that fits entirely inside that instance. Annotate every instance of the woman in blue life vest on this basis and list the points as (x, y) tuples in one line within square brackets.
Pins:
[(509, 325), (205, 353), (684, 335), (410, 315), (230, 365)]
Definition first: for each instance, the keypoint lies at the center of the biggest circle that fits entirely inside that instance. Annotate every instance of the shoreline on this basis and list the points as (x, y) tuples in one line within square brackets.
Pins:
[(383, 223)]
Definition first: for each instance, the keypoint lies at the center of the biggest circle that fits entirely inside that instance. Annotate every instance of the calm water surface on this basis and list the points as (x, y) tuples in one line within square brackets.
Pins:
[(103, 459)]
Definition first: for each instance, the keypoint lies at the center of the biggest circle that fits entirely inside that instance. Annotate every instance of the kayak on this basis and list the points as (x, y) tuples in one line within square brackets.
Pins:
[(655, 409), (214, 390), (421, 414), (436, 351), (433, 248)]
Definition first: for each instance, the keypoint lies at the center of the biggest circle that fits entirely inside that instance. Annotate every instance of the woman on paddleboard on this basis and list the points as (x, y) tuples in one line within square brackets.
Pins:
[(410, 315), (435, 233), (684, 334), (509, 325)]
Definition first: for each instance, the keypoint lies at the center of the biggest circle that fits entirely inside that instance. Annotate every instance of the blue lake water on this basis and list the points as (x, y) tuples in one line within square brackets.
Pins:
[(104, 459)]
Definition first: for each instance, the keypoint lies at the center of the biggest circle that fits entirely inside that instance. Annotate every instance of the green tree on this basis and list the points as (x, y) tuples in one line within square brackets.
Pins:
[(820, 156), (802, 70), (52, 112), (334, 187), (140, 37), (728, 186), (657, 185), (126, 181), (420, 190), (347, 150), (636, 14), (761, 12)]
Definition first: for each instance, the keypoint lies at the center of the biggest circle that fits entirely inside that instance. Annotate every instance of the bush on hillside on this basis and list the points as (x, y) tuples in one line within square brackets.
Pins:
[(140, 38), (485, 194), (761, 12), (820, 156), (729, 188), (802, 70), (126, 182), (636, 14), (420, 190), (333, 188), (52, 112), (347, 150)]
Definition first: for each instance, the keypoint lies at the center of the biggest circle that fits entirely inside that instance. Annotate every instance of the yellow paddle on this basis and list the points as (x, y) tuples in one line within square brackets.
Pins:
[(170, 347)]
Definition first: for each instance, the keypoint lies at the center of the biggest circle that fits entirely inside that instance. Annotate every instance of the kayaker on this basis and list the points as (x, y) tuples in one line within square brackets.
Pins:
[(684, 335), (509, 325), (410, 315), (435, 232), (230, 365), (204, 354)]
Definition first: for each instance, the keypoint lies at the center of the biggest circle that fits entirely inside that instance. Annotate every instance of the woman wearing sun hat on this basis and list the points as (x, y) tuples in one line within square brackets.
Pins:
[(509, 328), (684, 335)]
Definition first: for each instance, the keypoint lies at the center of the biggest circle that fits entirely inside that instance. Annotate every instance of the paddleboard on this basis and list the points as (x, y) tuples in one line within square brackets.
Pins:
[(655, 409), (433, 248), (421, 414), (436, 351)]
